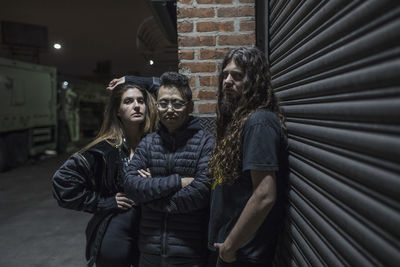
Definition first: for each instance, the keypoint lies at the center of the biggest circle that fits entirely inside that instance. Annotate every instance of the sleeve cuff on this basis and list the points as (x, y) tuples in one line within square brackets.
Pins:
[(106, 204)]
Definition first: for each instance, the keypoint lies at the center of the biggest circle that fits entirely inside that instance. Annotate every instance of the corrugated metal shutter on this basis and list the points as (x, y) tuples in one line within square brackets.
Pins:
[(336, 69)]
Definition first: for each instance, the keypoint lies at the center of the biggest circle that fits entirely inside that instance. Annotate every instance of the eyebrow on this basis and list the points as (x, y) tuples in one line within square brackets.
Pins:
[(132, 97), (171, 99), (235, 71)]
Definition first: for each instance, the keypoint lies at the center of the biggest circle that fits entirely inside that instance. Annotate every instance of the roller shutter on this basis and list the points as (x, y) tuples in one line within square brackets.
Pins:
[(335, 66)]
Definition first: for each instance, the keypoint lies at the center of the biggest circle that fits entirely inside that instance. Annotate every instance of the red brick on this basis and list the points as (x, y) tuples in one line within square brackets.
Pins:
[(207, 94), (195, 13), (221, 26), (212, 53), (243, 11), (248, 25), (207, 108), (185, 2), (208, 81), (203, 94), (198, 66), (186, 54), (240, 39), (185, 27), (196, 41), (192, 81), (195, 94), (214, 2)]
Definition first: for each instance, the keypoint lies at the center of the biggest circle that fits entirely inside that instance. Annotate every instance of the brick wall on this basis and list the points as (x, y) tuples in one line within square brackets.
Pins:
[(207, 29)]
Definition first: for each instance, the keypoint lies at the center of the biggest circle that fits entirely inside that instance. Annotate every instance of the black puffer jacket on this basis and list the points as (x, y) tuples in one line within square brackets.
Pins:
[(174, 219), (88, 182)]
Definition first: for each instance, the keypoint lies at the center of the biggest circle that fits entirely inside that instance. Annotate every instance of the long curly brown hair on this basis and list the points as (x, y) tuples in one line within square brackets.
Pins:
[(225, 163)]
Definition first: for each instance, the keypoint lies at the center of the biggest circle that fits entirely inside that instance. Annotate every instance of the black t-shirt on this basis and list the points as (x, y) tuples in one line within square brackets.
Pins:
[(264, 148)]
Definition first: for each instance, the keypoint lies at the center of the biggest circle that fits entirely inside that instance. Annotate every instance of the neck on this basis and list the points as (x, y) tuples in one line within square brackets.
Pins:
[(133, 135)]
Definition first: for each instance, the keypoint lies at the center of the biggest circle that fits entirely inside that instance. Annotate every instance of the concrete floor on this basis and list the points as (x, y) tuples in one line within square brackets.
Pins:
[(34, 231)]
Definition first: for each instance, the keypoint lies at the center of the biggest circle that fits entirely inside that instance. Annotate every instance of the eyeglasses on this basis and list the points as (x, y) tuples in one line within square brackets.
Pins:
[(174, 104)]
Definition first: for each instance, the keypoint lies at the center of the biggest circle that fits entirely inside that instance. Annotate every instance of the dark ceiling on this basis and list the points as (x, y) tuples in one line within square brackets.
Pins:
[(99, 37)]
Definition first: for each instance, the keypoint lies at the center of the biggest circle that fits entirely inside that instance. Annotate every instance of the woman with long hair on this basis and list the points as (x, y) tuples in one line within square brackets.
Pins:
[(91, 180)]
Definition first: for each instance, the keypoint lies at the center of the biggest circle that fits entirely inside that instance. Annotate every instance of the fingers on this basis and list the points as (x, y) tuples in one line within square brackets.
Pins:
[(125, 199), (123, 202), (113, 83), (144, 174), (123, 205), (147, 172), (119, 194), (186, 181)]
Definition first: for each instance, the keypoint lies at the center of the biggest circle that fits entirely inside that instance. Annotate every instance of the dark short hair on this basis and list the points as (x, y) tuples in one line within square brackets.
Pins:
[(180, 81)]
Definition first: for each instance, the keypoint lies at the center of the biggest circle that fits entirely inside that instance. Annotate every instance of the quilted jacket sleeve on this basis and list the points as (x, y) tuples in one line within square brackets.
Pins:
[(74, 188), (142, 189), (196, 195)]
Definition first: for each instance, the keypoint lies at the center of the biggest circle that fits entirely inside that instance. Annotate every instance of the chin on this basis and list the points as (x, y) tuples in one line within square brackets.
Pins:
[(137, 120)]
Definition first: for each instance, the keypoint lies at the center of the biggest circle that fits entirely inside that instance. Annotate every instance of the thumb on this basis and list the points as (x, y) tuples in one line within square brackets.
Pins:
[(217, 245)]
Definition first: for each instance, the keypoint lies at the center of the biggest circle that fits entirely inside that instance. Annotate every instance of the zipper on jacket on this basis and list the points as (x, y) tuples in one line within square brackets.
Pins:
[(164, 236), (169, 157), (169, 165), (164, 241)]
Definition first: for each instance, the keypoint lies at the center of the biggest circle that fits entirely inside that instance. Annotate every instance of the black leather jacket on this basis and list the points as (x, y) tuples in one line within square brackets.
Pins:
[(88, 181)]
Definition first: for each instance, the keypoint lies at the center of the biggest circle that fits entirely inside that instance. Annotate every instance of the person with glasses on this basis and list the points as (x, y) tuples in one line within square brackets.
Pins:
[(168, 176)]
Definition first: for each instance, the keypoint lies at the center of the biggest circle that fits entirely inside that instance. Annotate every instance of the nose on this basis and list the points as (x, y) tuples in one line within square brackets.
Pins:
[(136, 105), (229, 79), (169, 107)]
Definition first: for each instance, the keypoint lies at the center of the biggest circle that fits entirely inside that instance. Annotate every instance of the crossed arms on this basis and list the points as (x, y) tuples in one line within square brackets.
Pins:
[(167, 193)]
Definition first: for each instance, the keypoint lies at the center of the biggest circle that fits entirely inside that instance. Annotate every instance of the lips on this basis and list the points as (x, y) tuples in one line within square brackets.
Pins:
[(228, 88), (229, 92), (170, 118)]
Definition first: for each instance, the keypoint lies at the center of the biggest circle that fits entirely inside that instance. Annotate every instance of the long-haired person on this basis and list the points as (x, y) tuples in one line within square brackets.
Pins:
[(248, 164), (91, 180)]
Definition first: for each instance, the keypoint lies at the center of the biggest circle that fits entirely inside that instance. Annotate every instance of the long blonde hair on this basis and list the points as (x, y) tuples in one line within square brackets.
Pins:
[(112, 130)]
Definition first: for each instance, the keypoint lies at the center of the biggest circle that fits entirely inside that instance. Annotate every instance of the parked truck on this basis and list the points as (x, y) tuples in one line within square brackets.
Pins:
[(40, 111), (28, 111)]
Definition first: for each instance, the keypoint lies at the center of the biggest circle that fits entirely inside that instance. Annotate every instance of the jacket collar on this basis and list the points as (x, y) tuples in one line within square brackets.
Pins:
[(104, 149), (179, 138), (101, 148)]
